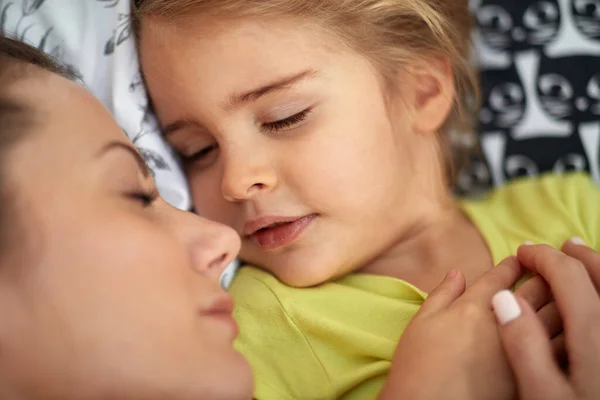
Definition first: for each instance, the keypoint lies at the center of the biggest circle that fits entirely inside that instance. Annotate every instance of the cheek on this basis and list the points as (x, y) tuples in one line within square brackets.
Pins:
[(117, 282), (94, 298), (349, 160), (114, 257), (207, 196)]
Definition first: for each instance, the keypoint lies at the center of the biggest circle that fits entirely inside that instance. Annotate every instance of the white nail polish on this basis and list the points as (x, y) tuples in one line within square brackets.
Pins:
[(527, 243), (505, 306), (578, 241)]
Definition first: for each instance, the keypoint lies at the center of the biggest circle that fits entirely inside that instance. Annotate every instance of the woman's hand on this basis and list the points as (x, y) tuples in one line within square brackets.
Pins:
[(452, 350), (574, 277)]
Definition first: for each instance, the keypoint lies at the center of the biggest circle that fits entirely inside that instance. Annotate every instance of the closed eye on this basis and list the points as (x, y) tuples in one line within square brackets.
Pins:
[(201, 154), (145, 198), (286, 123)]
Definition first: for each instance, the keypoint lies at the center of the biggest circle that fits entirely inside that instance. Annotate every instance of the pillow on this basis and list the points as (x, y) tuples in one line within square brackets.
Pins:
[(540, 78), (94, 38)]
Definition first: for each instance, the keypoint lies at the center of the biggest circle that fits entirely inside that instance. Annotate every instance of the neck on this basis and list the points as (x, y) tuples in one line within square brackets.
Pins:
[(430, 249)]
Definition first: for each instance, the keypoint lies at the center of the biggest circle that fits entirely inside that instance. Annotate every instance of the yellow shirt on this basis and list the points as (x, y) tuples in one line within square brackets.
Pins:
[(336, 341)]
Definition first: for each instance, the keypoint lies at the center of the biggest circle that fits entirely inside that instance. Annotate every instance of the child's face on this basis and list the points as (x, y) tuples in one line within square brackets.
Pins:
[(278, 122), (108, 295)]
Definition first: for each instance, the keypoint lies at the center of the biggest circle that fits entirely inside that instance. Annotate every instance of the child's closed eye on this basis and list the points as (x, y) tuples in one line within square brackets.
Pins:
[(286, 123), (201, 155)]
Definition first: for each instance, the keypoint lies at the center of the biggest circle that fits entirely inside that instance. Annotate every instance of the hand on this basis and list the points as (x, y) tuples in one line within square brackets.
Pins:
[(574, 277), (451, 349)]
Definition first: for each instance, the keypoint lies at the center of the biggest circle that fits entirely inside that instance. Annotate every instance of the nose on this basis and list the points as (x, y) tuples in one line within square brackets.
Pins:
[(213, 247), (245, 175)]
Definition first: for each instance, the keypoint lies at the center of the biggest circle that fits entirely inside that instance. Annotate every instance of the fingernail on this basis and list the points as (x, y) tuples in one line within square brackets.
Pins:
[(505, 306), (577, 241), (527, 243)]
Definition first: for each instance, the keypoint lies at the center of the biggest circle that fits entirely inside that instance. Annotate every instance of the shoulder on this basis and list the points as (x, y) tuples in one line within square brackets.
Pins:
[(559, 187), (551, 188), (547, 209), (248, 279), (560, 197), (273, 340)]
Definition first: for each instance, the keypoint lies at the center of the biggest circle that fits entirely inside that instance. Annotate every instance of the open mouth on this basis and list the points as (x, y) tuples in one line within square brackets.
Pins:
[(281, 233), (275, 225)]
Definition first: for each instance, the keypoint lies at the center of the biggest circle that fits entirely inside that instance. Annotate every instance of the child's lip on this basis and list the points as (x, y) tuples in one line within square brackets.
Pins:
[(254, 225), (283, 234)]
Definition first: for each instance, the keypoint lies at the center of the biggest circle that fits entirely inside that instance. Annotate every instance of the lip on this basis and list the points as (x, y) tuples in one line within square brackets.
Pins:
[(286, 231), (259, 223), (220, 310)]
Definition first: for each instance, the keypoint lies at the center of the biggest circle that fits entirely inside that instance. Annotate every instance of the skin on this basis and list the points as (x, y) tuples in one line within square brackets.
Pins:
[(365, 160), (110, 293)]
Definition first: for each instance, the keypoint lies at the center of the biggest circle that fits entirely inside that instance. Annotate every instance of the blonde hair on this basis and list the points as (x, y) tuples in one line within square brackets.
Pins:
[(390, 33)]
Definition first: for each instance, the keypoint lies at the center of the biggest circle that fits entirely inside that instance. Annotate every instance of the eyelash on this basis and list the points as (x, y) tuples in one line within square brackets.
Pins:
[(146, 198), (287, 122), (200, 154)]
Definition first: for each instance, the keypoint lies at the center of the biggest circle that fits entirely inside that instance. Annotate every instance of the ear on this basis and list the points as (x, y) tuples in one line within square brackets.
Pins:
[(429, 94)]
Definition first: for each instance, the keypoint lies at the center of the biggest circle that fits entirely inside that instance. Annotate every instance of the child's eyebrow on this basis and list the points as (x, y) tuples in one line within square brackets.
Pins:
[(280, 84)]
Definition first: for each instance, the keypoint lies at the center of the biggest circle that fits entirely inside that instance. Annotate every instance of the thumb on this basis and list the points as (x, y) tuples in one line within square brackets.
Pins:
[(528, 349), (444, 294)]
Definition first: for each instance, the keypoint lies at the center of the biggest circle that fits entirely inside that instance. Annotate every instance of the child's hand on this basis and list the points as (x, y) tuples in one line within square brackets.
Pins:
[(574, 277), (451, 349)]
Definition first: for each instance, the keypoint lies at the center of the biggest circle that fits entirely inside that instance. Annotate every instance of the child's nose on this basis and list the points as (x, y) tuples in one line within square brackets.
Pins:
[(247, 175)]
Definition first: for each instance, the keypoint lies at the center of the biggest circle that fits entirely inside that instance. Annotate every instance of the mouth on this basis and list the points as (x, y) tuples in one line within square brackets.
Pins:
[(220, 312), (273, 232)]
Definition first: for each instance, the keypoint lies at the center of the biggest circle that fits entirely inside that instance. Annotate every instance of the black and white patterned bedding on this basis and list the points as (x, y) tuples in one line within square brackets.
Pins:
[(540, 75)]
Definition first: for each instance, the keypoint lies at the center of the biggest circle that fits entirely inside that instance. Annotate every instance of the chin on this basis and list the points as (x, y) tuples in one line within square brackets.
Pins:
[(305, 272), (234, 380)]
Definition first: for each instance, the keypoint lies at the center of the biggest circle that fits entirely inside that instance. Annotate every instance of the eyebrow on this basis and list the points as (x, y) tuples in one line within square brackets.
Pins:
[(236, 100), (280, 84), (138, 158)]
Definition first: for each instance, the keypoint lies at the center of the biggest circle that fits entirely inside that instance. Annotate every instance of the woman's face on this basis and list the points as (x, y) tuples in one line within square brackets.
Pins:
[(106, 291), (283, 128)]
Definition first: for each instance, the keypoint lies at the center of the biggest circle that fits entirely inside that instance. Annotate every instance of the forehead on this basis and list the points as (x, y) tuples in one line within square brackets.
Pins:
[(229, 53), (192, 69), (65, 117)]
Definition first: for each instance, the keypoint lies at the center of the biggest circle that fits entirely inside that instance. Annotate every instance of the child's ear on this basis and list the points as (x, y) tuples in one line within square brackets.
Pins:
[(429, 94)]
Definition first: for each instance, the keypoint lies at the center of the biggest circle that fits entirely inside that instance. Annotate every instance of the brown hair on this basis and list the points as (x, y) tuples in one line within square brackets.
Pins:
[(390, 33), (16, 59)]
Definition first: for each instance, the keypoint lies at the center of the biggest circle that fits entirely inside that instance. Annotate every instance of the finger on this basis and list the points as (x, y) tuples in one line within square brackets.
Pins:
[(559, 350), (550, 319), (576, 248), (498, 278), (528, 349), (535, 291), (445, 294), (573, 290)]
